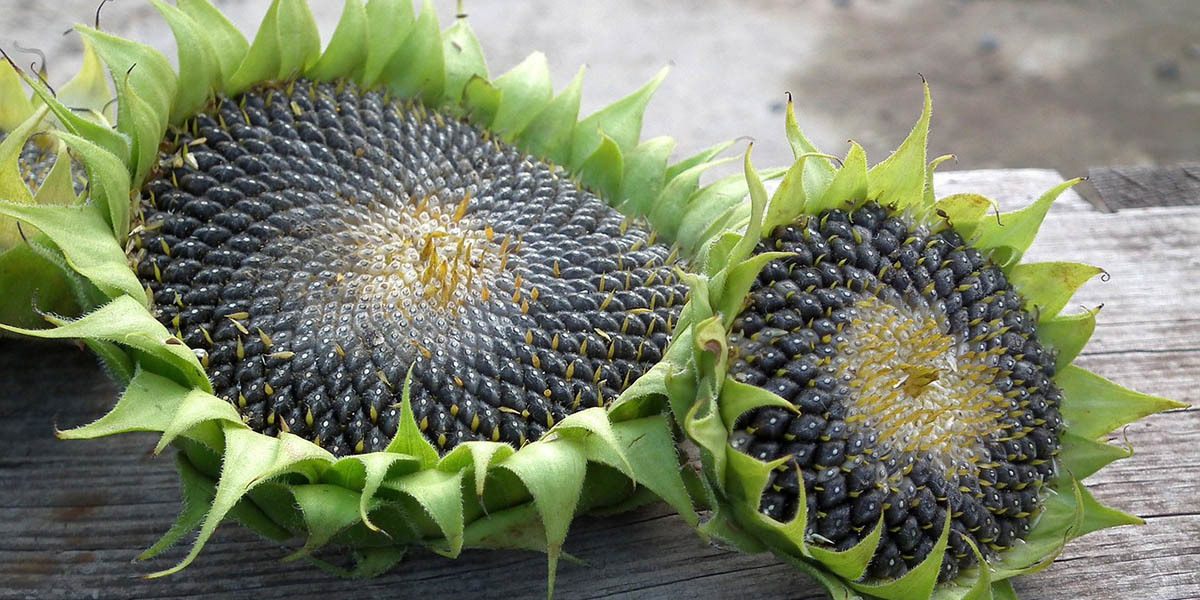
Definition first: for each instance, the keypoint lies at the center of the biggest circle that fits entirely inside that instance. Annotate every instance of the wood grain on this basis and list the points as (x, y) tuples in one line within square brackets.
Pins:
[(73, 515), (1120, 188)]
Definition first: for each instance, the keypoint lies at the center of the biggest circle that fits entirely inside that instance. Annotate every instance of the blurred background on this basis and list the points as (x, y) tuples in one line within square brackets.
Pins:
[(1061, 84)]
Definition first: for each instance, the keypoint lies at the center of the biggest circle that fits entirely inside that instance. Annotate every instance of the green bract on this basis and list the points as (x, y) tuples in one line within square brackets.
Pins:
[(707, 401), (480, 494)]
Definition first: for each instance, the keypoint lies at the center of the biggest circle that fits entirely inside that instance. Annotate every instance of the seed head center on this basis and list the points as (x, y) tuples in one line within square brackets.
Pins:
[(916, 387), (423, 264)]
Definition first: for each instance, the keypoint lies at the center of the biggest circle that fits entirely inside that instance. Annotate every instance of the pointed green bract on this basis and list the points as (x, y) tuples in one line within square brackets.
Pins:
[(1095, 406), (228, 44), (621, 121), (287, 42), (1068, 334), (524, 92), (15, 106), (1048, 287), (1009, 235), (198, 64)]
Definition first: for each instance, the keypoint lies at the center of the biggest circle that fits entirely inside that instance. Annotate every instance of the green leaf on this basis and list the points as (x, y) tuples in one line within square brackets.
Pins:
[(15, 106), (440, 495), (388, 24), (327, 510), (346, 50), (816, 175), (715, 208), (250, 459), (146, 71), (196, 408), (1048, 286), (227, 42), (736, 286), (621, 120), (464, 58), (849, 183), (108, 180), (286, 43), (644, 172), (58, 187), (99, 132), (1008, 236), (87, 242), (525, 91), (650, 449), (682, 214), (481, 100), (1081, 457), (1061, 516), (482, 455), (113, 359), (603, 171), (929, 200), (704, 156), (198, 63), (965, 211), (1097, 516), (125, 321), (900, 179), (1067, 334), (789, 199), (88, 89), (299, 39), (136, 119), (32, 287), (1093, 406), (593, 426), (12, 185), (739, 398), (196, 493), (758, 203), (376, 467), (548, 135), (746, 477), (553, 472), (409, 440), (148, 403), (919, 581), (1003, 590), (851, 564), (417, 69)]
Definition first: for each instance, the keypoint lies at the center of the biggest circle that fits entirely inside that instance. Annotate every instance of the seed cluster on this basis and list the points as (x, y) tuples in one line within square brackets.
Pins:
[(313, 242), (921, 390)]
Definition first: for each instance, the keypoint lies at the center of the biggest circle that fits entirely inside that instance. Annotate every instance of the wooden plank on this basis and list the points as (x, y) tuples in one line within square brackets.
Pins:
[(75, 514), (1120, 188)]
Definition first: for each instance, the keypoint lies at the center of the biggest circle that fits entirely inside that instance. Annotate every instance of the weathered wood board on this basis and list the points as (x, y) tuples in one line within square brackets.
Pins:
[(74, 515)]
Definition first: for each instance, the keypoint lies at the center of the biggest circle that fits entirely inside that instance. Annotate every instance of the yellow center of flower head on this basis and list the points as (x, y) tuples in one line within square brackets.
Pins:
[(421, 264), (312, 242), (923, 391)]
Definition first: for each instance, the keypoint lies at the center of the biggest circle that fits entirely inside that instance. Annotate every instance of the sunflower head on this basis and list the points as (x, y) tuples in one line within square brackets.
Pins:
[(375, 297), (882, 391)]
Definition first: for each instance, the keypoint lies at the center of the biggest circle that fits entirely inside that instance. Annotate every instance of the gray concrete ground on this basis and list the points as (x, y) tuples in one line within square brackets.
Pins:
[(1065, 84)]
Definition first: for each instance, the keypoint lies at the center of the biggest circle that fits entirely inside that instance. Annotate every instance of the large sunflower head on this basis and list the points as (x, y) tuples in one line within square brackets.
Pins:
[(882, 391), (375, 297)]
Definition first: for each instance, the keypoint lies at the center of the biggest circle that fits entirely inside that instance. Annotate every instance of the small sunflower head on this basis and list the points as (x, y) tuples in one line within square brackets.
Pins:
[(884, 391)]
